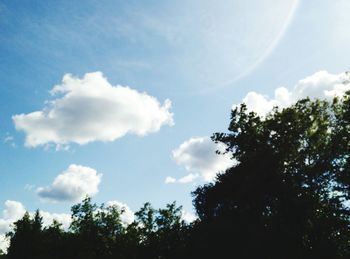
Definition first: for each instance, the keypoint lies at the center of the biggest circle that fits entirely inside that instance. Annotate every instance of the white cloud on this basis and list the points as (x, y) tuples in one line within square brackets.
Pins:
[(319, 85), (91, 109), (188, 217), (72, 185), (4, 242), (185, 179), (15, 210), (188, 178), (127, 216), (63, 218), (199, 157), (169, 179)]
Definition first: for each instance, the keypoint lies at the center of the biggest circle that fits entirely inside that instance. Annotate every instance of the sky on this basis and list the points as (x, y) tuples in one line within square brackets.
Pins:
[(118, 99)]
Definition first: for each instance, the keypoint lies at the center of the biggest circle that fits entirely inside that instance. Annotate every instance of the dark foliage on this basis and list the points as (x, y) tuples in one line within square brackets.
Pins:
[(98, 232), (285, 197)]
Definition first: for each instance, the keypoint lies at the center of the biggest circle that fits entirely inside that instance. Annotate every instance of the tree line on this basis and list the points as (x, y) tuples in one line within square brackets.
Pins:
[(287, 196)]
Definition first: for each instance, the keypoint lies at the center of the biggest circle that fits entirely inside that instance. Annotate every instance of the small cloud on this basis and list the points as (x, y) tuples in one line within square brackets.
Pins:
[(29, 187), (127, 215), (14, 210), (188, 217), (72, 185), (10, 140), (199, 157), (186, 179), (170, 179)]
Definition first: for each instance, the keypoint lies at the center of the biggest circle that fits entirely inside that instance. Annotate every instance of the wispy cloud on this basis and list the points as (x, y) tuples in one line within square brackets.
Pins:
[(9, 140)]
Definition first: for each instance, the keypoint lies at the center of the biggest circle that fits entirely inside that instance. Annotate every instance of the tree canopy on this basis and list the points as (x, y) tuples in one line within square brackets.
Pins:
[(287, 195)]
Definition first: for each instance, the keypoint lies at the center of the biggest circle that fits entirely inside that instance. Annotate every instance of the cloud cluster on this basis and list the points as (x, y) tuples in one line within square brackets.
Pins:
[(199, 157), (319, 85), (72, 185), (91, 109), (15, 210)]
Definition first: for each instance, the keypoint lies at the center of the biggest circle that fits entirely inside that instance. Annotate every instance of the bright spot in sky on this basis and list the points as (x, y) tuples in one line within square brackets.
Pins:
[(217, 43)]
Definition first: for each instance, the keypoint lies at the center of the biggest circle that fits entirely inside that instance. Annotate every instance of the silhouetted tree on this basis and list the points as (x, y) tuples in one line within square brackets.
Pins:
[(286, 196), (161, 232), (25, 237), (96, 229), (98, 232)]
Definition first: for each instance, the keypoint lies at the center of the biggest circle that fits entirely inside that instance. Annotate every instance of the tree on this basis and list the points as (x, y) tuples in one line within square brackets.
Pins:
[(98, 232), (286, 196), (171, 232), (96, 229), (160, 232), (25, 239)]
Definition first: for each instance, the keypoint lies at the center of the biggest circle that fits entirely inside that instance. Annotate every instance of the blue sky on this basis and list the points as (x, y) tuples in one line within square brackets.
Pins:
[(203, 56)]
